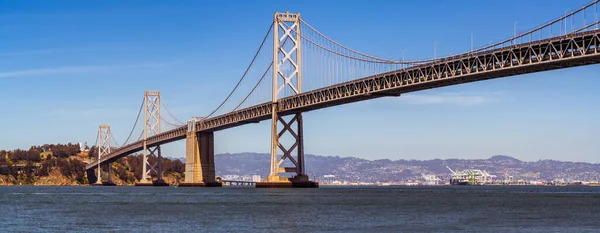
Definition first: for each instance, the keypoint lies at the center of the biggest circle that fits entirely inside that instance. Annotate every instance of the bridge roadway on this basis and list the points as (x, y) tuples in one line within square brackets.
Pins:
[(554, 53)]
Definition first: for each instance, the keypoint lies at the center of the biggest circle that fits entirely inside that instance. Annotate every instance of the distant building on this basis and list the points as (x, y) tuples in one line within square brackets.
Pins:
[(256, 178), (83, 147)]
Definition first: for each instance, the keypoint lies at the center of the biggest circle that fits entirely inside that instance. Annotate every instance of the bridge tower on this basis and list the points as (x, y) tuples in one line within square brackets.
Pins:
[(287, 68), (103, 149), (151, 128)]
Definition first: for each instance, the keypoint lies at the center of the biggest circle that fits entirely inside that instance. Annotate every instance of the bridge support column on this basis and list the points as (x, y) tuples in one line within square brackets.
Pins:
[(108, 172), (199, 159), (292, 160), (91, 176), (151, 127), (99, 176), (97, 179), (150, 168), (103, 149), (287, 67)]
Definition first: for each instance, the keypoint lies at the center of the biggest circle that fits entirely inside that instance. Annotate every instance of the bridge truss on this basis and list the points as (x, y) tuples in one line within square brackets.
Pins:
[(339, 75)]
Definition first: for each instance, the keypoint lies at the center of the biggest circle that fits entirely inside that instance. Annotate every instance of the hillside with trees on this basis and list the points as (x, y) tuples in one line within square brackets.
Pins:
[(64, 164)]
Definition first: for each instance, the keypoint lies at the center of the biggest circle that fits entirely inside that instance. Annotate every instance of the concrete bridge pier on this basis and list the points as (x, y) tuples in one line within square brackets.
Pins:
[(91, 176), (199, 159)]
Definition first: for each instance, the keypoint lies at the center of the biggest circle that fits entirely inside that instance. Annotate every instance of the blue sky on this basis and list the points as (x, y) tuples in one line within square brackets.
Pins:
[(68, 66)]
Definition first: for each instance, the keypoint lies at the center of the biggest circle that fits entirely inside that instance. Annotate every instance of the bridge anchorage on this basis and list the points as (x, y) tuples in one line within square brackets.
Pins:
[(336, 75)]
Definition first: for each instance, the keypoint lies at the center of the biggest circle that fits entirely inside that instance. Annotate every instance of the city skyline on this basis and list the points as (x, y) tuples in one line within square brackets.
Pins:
[(91, 70)]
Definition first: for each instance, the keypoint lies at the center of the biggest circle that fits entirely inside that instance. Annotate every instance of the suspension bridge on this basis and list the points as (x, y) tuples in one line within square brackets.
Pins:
[(309, 71)]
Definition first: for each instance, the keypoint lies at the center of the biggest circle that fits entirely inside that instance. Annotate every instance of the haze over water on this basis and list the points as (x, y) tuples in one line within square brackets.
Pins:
[(327, 209)]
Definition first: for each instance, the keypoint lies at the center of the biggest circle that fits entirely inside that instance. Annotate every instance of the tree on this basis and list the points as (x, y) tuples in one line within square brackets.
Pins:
[(29, 171), (93, 152), (135, 163), (64, 151)]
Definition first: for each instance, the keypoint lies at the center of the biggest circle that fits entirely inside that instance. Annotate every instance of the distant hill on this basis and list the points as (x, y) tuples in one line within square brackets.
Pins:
[(361, 170)]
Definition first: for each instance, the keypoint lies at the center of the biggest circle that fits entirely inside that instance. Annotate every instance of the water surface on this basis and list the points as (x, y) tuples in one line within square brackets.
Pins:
[(354, 209)]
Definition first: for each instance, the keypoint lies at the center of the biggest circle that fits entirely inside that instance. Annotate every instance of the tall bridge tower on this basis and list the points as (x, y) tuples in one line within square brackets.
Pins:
[(287, 68), (103, 149), (151, 128)]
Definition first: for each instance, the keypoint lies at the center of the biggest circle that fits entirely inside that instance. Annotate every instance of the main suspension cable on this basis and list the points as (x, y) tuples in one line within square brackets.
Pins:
[(245, 72), (136, 121), (388, 61), (170, 113), (255, 86), (169, 123), (586, 27), (96, 143), (114, 139), (533, 30), (383, 60)]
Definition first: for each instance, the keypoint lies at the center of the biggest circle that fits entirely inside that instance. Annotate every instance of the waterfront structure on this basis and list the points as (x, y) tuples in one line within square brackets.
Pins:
[(431, 179), (344, 76), (470, 177)]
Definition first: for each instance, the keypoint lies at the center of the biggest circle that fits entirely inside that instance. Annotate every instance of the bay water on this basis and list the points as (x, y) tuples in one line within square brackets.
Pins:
[(326, 209)]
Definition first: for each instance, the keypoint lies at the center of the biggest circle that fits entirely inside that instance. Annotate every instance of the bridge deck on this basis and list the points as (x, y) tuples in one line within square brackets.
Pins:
[(553, 53)]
